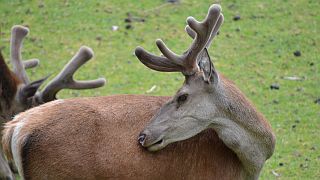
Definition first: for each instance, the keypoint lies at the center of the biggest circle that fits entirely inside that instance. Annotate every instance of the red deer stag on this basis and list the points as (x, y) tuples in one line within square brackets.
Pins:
[(17, 93), (225, 137)]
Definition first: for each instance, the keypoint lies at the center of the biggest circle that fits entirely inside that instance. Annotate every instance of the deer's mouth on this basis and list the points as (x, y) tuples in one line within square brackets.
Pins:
[(158, 142), (157, 145)]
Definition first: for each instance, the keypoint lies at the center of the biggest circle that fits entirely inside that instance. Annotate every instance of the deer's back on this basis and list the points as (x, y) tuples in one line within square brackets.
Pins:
[(96, 138)]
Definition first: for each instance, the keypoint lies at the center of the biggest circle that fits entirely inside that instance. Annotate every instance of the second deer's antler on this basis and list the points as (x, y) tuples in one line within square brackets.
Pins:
[(202, 32), (17, 35), (64, 80)]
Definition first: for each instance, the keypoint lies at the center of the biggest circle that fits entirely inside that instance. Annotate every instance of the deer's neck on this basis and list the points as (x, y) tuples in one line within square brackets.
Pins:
[(243, 129), (246, 146)]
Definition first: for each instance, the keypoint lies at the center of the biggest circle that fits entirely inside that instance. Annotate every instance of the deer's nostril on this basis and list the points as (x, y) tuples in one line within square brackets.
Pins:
[(141, 138)]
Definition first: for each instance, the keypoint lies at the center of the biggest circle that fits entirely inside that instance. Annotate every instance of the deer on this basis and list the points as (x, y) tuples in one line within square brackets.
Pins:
[(207, 130), (18, 94)]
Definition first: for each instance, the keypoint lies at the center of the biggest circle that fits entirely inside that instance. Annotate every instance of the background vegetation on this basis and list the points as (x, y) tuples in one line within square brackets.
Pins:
[(256, 51)]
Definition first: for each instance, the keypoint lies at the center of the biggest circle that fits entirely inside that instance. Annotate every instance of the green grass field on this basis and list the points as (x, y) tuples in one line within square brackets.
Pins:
[(255, 52)]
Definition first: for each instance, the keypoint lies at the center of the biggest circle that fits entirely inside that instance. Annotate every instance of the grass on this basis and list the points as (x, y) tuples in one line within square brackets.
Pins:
[(255, 51)]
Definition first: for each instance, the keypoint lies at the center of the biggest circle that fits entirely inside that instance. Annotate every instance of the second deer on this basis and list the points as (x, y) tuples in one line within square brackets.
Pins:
[(18, 94)]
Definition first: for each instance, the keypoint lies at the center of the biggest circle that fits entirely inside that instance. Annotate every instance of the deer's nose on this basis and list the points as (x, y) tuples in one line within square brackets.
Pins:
[(142, 138)]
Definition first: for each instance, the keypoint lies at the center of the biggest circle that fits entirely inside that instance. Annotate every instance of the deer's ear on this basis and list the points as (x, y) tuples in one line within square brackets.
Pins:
[(206, 66), (30, 90)]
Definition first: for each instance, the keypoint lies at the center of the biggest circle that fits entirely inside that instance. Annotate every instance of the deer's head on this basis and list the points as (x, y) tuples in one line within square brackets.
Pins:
[(17, 93), (196, 103)]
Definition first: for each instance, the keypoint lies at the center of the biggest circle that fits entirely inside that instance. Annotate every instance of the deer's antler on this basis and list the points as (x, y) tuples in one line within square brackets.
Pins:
[(17, 35), (216, 28), (31, 63), (64, 80), (202, 32)]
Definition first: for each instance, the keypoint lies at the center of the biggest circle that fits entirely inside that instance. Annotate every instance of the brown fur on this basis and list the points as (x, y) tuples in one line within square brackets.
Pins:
[(100, 142), (8, 84)]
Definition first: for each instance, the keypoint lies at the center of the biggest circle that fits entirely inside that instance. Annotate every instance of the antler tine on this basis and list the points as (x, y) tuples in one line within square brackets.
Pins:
[(64, 80), (31, 63), (17, 35), (168, 53), (203, 32), (215, 30), (192, 34), (156, 62)]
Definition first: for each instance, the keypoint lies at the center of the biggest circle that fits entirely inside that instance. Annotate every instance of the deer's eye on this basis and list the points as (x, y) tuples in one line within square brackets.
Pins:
[(182, 98)]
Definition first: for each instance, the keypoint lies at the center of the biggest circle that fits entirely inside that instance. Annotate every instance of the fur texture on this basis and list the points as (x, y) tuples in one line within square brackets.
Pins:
[(100, 141), (8, 85)]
